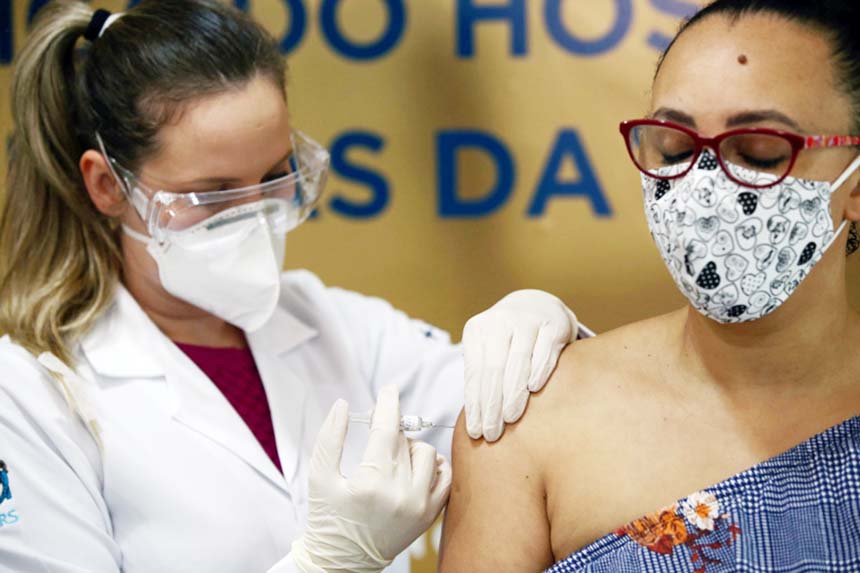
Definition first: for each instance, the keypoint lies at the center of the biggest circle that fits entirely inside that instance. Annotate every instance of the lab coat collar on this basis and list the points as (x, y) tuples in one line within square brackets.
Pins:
[(117, 346)]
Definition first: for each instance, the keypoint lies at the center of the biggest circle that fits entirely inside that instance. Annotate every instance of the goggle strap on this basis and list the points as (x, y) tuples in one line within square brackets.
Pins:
[(117, 178)]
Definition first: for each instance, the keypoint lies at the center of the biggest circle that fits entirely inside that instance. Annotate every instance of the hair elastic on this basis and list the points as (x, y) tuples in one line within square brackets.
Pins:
[(100, 22)]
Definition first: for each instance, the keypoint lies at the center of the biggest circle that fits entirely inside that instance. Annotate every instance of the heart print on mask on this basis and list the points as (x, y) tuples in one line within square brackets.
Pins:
[(748, 202), (810, 208), (736, 266), (751, 283), (723, 244), (707, 227), (823, 224), (799, 231), (748, 233), (778, 227), (789, 200), (785, 259), (728, 210)]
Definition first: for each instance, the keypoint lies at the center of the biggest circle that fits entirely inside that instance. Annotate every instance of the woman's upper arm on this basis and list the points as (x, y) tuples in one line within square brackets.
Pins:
[(496, 517)]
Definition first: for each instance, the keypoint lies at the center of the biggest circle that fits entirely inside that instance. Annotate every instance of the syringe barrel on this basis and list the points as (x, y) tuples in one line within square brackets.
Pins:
[(407, 423), (414, 424)]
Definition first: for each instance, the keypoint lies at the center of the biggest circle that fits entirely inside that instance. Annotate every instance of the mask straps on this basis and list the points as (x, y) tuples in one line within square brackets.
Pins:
[(849, 171), (137, 236)]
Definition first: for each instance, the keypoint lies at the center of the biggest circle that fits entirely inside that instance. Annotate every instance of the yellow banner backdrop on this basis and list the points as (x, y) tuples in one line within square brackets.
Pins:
[(475, 149)]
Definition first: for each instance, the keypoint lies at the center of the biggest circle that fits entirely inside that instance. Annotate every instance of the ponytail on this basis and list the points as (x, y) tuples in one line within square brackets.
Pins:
[(59, 260)]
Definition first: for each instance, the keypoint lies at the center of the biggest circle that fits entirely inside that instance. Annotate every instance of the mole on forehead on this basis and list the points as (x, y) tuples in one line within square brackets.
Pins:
[(743, 60)]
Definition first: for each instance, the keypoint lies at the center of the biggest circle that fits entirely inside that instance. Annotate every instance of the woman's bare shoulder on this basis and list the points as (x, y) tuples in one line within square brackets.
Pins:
[(608, 367)]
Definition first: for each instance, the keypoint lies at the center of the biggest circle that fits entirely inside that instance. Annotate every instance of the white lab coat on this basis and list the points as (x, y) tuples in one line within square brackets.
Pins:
[(181, 484)]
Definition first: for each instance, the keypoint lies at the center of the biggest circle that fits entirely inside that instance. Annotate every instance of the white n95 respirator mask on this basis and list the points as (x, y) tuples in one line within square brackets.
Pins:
[(737, 253), (228, 265)]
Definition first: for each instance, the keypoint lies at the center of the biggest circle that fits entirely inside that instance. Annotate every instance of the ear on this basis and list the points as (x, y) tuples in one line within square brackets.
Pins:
[(852, 205), (104, 190)]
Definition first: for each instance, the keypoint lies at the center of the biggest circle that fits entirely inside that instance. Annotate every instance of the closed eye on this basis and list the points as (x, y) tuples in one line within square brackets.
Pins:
[(676, 158), (761, 163)]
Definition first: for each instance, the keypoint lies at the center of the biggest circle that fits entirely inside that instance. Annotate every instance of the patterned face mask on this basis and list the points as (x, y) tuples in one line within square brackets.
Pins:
[(738, 253)]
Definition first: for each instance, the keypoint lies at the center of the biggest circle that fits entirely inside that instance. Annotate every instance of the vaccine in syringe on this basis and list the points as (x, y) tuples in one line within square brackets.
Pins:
[(407, 423)]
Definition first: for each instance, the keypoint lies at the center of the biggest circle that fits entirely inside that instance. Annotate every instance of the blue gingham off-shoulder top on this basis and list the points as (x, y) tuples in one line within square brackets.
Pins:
[(798, 512)]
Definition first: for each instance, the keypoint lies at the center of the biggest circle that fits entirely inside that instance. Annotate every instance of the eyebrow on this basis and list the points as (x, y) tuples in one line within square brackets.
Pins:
[(737, 120), (757, 116), (222, 181), (674, 115)]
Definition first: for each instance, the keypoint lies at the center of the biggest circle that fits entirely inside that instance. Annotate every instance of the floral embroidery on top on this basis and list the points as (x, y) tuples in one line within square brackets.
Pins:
[(701, 509), (667, 529)]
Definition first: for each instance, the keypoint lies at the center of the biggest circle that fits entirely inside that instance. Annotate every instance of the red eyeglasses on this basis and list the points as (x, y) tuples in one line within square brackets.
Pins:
[(666, 150)]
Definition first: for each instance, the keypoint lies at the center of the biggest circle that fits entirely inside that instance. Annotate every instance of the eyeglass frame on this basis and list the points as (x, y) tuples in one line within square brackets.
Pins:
[(798, 143)]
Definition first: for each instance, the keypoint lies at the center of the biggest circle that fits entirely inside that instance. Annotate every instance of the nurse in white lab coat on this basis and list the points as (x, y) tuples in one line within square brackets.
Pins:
[(119, 453)]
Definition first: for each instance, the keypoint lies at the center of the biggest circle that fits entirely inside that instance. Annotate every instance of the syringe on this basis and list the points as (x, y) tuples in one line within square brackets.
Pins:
[(407, 423)]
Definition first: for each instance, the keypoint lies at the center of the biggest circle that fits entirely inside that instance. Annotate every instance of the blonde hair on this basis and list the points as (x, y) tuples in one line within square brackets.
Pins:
[(60, 259)]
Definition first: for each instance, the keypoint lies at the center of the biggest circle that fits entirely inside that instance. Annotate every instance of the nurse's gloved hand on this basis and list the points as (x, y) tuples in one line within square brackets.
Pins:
[(511, 349), (362, 523)]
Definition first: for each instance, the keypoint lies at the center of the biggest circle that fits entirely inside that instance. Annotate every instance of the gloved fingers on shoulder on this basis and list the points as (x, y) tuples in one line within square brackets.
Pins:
[(487, 354), (497, 347), (517, 374), (492, 400), (472, 363), (515, 404), (548, 346)]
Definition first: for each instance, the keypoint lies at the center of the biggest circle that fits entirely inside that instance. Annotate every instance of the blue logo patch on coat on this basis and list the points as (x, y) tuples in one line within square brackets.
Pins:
[(5, 491), (431, 332)]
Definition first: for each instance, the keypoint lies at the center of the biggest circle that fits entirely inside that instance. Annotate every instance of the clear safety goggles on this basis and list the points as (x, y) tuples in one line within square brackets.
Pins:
[(283, 203)]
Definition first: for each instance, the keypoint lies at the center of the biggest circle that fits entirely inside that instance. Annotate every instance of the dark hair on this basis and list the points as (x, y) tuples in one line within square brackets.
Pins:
[(59, 257), (839, 19), (158, 57)]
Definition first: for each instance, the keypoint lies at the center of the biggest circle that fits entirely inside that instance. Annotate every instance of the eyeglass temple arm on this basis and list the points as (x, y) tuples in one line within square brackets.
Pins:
[(819, 141)]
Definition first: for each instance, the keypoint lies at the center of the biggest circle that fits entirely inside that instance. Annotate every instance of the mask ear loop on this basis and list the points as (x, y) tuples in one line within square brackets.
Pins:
[(840, 181), (849, 171), (137, 236)]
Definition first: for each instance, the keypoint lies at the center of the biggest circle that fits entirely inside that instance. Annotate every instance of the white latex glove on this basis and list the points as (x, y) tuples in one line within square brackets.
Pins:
[(362, 523), (510, 350)]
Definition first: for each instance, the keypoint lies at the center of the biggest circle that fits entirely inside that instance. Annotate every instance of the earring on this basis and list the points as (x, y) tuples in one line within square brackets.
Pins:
[(853, 239)]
